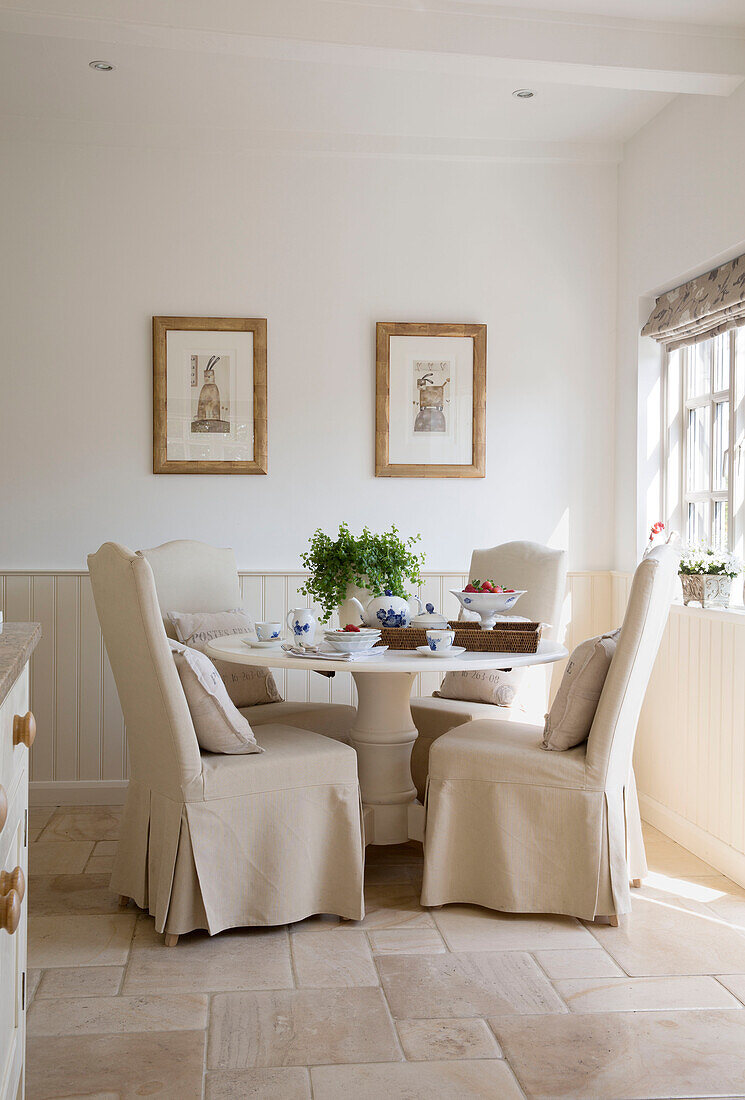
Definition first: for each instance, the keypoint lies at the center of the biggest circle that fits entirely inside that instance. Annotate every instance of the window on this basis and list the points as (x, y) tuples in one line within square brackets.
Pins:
[(703, 444)]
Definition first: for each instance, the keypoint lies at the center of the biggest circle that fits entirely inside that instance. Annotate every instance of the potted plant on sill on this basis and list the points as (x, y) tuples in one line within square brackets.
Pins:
[(363, 565), (707, 574)]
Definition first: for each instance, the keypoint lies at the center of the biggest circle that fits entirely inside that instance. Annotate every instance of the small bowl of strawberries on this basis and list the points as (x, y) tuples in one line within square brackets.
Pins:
[(488, 599)]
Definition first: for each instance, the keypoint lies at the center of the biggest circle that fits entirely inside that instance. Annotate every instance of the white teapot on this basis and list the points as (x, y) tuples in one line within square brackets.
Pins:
[(387, 610)]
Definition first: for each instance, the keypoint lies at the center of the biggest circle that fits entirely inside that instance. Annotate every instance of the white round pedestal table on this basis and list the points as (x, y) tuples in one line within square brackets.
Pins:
[(383, 732)]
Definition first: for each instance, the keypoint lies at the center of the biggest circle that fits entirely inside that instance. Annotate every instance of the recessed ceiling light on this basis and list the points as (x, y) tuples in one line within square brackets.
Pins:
[(101, 66), (523, 93)]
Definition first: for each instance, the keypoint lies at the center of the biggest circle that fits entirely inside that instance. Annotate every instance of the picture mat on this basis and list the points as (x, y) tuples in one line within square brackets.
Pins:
[(181, 442), (455, 445)]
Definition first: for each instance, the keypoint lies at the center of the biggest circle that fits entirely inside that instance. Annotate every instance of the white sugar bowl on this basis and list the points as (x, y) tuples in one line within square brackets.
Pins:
[(430, 619)]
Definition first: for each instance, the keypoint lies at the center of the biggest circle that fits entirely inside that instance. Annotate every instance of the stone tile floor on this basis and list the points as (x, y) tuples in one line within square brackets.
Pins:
[(408, 1003)]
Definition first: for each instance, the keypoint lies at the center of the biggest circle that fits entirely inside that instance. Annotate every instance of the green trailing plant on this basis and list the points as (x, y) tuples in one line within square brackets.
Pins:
[(377, 562)]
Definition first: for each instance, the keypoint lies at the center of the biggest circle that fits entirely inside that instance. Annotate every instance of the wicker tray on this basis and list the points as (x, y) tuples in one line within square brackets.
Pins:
[(504, 638)]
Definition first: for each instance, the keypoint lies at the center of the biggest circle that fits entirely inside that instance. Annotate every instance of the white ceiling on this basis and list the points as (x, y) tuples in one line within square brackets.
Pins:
[(370, 77)]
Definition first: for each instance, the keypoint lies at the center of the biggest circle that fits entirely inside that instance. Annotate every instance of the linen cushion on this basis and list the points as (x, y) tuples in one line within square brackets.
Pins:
[(247, 685), (219, 726), (495, 686), (573, 710)]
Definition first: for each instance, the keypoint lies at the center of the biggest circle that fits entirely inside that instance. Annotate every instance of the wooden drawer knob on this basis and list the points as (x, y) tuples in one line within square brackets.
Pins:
[(10, 912), (3, 806), (13, 880), (24, 729)]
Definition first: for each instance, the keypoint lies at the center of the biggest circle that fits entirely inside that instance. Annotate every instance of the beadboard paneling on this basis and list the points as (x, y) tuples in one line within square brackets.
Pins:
[(80, 751)]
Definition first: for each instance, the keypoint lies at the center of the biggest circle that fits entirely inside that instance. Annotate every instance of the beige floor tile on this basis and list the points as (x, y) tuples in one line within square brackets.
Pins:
[(105, 848), (393, 905), (626, 1055), (288, 1083), (300, 1027), (669, 858), (321, 922), (643, 994), (474, 1080), (591, 962), (735, 983), (434, 986), (79, 941), (729, 908), (71, 894), (161, 1064), (38, 816), (433, 1040), (323, 961), (81, 981), (118, 1015), (83, 823), (672, 937), (236, 959), (406, 941), (33, 977), (381, 874), (100, 865), (700, 888), (468, 928), (56, 857)]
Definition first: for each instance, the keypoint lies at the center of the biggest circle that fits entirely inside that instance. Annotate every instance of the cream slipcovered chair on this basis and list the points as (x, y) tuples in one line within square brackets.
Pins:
[(542, 573), (193, 576), (514, 827), (208, 840)]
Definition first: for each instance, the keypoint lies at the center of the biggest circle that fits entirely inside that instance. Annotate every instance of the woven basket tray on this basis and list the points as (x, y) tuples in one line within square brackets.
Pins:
[(504, 638)]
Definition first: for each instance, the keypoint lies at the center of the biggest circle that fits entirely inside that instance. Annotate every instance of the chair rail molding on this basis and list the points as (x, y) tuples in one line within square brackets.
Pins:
[(80, 753)]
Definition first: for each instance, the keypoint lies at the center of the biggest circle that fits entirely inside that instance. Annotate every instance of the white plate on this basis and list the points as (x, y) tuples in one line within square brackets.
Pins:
[(254, 643), (454, 651)]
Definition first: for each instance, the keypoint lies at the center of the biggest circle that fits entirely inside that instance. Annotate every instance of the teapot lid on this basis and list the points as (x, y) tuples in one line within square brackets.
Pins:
[(430, 618)]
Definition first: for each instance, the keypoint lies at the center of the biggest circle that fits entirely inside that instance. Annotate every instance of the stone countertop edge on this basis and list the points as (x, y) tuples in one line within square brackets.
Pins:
[(17, 643)]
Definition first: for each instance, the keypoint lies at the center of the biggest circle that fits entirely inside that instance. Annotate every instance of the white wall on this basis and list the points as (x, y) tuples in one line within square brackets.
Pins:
[(680, 213), (97, 239)]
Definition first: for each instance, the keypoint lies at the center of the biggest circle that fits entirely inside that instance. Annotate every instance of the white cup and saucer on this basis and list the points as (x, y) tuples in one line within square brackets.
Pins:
[(268, 636), (440, 644)]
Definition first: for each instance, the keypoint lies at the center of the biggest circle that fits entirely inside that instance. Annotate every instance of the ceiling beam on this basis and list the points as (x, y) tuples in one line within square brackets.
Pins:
[(530, 47)]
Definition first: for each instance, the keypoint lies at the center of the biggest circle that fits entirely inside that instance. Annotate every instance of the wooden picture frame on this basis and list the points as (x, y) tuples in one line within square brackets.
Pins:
[(397, 412), (233, 424)]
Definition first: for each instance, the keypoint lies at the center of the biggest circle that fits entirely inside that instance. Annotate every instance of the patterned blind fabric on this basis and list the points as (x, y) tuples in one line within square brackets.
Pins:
[(700, 308)]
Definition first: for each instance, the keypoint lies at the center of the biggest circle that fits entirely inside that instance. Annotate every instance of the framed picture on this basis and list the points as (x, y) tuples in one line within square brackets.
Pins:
[(430, 405), (209, 395)]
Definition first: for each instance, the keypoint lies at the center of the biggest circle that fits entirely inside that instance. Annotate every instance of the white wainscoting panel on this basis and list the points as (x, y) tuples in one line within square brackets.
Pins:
[(80, 754)]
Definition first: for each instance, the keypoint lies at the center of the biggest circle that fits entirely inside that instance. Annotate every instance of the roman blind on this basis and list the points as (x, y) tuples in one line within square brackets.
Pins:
[(701, 308)]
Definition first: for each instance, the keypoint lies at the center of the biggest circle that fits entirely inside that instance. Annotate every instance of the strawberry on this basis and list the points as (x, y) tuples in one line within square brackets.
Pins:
[(352, 628), (470, 588), (486, 587), (508, 589)]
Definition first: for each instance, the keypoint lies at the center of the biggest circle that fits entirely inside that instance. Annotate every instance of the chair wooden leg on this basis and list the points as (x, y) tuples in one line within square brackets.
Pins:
[(123, 901), (613, 922), (636, 883), (170, 939)]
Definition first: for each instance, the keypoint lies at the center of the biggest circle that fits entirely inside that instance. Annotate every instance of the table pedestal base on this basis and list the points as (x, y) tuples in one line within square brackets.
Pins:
[(383, 735)]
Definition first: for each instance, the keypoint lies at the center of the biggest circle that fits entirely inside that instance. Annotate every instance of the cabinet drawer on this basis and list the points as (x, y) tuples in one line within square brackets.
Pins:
[(13, 758), (13, 854)]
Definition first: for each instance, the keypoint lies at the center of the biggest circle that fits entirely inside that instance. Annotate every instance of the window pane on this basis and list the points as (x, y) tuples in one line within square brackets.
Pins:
[(696, 524), (721, 444), (721, 361), (697, 449), (699, 369), (721, 521)]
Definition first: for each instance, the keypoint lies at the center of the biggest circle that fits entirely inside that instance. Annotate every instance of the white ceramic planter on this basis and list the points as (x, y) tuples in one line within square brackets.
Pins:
[(707, 589), (349, 612)]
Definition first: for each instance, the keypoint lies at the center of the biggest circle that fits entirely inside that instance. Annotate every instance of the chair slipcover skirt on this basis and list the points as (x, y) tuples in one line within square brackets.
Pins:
[(228, 860), (509, 838)]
